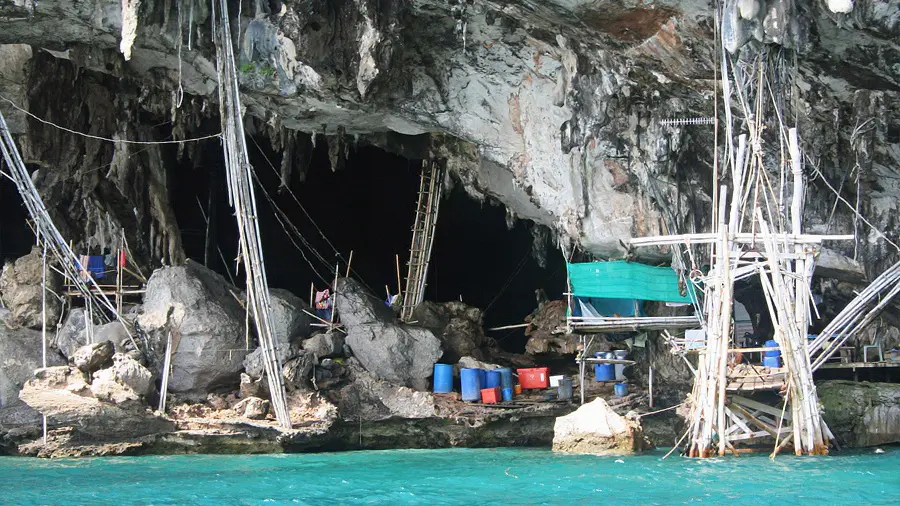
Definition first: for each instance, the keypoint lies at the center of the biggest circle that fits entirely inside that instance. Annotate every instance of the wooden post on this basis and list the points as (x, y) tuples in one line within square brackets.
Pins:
[(312, 293), (44, 324), (583, 361), (334, 293), (350, 261), (650, 385), (167, 365)]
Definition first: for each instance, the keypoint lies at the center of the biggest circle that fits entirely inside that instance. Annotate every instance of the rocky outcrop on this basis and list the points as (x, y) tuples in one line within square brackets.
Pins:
[(370, 399), (596, 429), (207, 324), (65, 397), (357, 306), (126, 372), (403, 355), (256, 367), (861, 414), (20, 355), (253, 408), (458, 326), (72, 335), (21, 293)]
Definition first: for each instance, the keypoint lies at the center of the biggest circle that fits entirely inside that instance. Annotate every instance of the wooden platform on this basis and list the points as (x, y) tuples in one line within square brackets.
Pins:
[(755, 378), (631, 324), (858, 365)]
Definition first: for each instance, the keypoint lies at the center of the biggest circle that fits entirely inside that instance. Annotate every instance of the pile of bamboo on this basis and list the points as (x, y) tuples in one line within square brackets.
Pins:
[(242, 197)]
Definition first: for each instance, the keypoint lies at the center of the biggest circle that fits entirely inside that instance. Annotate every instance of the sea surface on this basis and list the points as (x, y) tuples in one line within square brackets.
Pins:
[(456, 476)]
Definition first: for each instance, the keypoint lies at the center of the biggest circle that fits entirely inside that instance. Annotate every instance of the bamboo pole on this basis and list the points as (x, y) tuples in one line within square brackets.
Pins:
[(349, 261), (44, 326)]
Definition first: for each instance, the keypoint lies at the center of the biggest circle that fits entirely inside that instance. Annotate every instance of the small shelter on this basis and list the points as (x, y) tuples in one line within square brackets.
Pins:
[(608, 297)]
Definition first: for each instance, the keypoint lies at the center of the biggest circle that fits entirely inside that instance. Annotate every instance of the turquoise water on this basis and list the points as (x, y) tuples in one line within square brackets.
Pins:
[(467, 476)]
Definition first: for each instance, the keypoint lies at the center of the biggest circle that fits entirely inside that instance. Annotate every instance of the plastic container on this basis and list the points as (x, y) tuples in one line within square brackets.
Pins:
[(507, 394), (772, 361), (443, 378), (490, 395), (772, 353), (620, 354), (620, 371), (482, 377), (470, 384), (565, 389), (554, 380), (517, 389), (506, 379), (604, 372), (621, 389), (493, 379), (537, 377)]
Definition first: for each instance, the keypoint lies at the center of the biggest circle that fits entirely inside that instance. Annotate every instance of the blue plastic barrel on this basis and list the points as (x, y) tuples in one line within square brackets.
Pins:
[(604, 372), (443, 378), (772, 353), (565, 389), (470, 384), (482, 377), (507, 394), (621, 389), (772, 361), (506, 379), (493, 379)]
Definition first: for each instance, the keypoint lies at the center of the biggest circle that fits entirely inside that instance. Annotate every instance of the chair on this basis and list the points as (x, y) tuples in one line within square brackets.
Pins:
[(877, 346)]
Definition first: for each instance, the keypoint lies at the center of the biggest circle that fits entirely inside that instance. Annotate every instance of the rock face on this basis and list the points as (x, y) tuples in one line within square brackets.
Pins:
[(64, 396), (356, 305), (253, 362), (403, 355), (596, 429), (207, 324), (861, 414), (253, 408), (458, 326), (541, 336), (20, 292), (288, 319), (370, 399), (20, 355)]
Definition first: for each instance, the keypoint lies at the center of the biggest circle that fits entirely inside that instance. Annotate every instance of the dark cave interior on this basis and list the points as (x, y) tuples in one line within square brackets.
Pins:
[(367, 207)]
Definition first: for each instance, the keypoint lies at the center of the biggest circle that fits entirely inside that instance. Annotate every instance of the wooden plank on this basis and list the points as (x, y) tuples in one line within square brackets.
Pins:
[(750, 403)]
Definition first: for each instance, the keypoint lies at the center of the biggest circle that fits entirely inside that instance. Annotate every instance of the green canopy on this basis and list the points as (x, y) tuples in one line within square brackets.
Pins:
[(625, 280)]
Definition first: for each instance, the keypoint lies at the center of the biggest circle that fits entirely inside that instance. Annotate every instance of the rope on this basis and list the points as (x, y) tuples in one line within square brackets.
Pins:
[(105, 139), (509, 281)]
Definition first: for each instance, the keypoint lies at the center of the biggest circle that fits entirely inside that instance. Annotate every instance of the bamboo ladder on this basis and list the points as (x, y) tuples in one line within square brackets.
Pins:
[(424, 226)]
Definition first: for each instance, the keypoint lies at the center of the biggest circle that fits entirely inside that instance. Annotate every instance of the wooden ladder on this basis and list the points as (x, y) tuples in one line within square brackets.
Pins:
[(430, 188)]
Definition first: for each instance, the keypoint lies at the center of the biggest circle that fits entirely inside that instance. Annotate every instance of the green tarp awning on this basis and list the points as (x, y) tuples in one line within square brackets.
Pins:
[(625, 280)]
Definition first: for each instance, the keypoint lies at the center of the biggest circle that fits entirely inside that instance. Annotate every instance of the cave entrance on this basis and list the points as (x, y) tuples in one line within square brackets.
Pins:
[(368, 207), (16, 238)]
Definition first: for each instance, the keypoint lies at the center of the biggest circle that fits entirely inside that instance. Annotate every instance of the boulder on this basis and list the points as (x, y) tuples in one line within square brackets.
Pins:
[(93, 357), (71, 335), (288, 319), (596, 429), (403, 355), (20, 355), (458, 326), (253, 408), (128, 373), (861, 414), (357, 306), (330, 344), (207, 324), (250, 387), (21, 293), (296, 371), (473, 363), (253, 362), (63, 395)]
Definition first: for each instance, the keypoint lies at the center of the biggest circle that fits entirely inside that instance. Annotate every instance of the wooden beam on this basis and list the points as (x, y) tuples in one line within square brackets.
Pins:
[(750, 403)]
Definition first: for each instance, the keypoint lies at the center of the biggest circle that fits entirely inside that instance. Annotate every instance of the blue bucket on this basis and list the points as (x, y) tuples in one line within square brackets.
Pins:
[(493, 379), (506, 379), (507, 394), (772, 353), (443, 378), (604, 372), (470, 383), (621, 389)]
